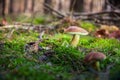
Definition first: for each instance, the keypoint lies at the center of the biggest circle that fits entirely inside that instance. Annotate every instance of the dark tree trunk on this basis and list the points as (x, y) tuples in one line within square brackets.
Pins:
[(76, 5), (6, 8), (14, 7), (2, 6)]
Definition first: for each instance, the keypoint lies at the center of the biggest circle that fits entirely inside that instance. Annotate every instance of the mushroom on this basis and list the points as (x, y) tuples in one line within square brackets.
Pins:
[(93, 59), (115, 34), (102, 33), (76, 32)]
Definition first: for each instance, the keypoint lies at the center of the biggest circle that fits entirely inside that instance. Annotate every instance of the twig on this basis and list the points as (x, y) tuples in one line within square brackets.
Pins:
[(41, 35), (10, 33)]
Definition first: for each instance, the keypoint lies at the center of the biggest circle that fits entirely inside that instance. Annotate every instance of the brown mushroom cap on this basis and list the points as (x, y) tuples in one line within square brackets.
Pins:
[(76, 30), (93, 56)]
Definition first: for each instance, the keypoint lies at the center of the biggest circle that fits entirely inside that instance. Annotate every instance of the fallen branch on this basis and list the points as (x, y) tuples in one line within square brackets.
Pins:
[(26, 26), (96, 13), (98, 18), (51, 9)]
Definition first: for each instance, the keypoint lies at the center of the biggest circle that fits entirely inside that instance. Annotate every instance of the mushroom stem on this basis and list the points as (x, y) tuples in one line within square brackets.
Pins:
[(97, 65), (75, 40)]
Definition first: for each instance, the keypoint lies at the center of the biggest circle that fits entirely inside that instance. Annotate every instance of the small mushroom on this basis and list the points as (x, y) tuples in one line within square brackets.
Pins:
[(4, 22), (76, 32), (115, 34), (93, 59), (102, 33)]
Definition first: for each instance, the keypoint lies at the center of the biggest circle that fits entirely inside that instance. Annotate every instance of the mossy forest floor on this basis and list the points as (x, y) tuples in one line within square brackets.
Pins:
[(57, 60)]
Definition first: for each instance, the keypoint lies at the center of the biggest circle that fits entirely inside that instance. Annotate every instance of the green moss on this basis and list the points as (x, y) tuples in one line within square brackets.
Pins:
[(88, 26), (64, 60)]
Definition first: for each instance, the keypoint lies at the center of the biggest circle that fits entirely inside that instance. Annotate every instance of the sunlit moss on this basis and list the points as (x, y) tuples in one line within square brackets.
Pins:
[(64, 59)]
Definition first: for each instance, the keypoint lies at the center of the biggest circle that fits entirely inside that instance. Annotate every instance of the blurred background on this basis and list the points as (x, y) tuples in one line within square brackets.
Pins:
[(27, 7)]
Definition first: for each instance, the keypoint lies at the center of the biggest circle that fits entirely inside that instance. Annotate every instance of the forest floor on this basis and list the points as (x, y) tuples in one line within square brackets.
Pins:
[(55, 59)]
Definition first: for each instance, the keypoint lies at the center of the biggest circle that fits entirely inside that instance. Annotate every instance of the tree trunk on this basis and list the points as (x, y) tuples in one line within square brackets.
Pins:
[(76, 5), (97, 5), (29, 7), (7, 6), (61, 5), (15, 7), (2, 5), (55, 4), (65, 4), (38, 6), (22, 5), (87, 5), (14, 4)]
